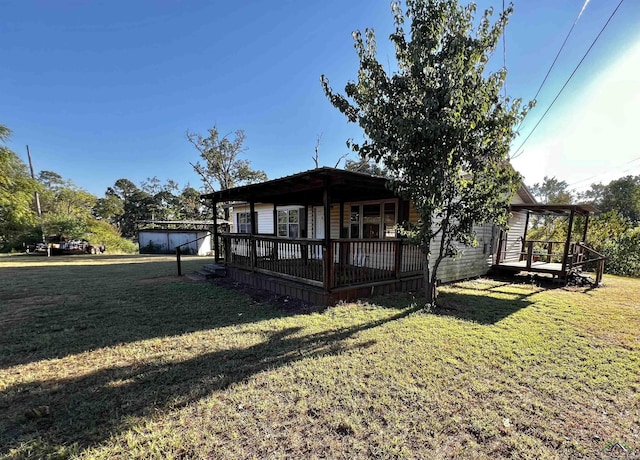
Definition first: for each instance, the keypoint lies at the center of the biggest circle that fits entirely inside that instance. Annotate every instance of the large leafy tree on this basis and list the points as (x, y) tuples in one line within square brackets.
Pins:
[(438, 123), (221, 167), (623, 195), (17, 214), (552, 191)]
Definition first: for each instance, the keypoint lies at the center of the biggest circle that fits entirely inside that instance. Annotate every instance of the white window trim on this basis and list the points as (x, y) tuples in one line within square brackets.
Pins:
[(287, 210), (244, 214)]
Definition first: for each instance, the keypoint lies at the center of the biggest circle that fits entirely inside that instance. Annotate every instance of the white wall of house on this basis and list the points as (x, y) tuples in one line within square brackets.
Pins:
[(165, 241)]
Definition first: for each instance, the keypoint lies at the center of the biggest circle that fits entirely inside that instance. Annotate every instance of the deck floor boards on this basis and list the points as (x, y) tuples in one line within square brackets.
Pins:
[(538, 266)]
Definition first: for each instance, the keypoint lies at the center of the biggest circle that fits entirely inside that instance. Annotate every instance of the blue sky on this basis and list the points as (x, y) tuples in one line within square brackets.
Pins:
[(101, 90)]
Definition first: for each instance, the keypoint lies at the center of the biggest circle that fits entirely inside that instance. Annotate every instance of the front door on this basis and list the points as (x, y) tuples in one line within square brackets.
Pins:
[(318, 223)]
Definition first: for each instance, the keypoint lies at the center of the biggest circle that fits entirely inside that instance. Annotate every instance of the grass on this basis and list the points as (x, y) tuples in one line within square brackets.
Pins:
[(115, 357)]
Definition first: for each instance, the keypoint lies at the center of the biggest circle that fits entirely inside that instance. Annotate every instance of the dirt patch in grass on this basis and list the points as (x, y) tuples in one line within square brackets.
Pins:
[(159, 280)]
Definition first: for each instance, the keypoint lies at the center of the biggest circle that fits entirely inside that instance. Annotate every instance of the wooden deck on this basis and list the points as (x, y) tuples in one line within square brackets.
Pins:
[(552, 257), (553, 268)]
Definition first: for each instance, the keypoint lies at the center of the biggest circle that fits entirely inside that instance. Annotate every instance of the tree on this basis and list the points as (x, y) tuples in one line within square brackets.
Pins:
[(221, 163), (190, 206), (623, 195), (593, 195), (365, 166), (438, 123), (552, 191), (16, 194)]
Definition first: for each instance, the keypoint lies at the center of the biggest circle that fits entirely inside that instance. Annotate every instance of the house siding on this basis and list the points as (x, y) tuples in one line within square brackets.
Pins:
[(513, 244), (472, 262)]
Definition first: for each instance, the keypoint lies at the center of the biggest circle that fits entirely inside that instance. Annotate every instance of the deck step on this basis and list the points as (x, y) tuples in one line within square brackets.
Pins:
[(214, 270)]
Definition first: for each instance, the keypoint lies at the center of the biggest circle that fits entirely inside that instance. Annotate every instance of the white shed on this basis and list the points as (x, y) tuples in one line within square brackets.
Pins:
[(162, 237)]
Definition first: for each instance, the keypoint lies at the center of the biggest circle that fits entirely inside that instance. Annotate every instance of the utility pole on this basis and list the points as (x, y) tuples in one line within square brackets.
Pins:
[(36, 199)]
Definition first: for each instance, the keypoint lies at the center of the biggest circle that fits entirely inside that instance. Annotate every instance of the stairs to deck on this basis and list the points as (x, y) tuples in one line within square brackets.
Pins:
[(207, 272)]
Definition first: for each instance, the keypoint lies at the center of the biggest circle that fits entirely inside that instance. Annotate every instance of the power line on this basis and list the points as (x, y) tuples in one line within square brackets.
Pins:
[(560, 50), (584, 6), (607, 172), (518, 150)]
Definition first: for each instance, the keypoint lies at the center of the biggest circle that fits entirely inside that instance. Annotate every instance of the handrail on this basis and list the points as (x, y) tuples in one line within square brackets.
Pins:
[(184, 244), (600, 256), (600, 259)]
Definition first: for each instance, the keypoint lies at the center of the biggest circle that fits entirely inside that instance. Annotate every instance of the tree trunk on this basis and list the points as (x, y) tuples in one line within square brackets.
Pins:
[(429, 285)]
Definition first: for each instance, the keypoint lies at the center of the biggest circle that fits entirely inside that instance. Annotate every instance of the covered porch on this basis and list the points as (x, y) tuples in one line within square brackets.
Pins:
[(324, 262), (559, 258)]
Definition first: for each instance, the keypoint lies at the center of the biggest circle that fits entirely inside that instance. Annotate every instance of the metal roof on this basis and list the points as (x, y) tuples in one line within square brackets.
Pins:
[(556, 209), (307, 187)]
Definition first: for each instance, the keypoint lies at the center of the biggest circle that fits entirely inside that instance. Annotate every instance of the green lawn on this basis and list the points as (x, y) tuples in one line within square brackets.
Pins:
[(115, 357)]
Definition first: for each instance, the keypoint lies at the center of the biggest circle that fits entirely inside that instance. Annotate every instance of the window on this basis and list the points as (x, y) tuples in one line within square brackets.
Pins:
[(355, 221), (244, 221), (372, 220), (390, 220), (289, 223)]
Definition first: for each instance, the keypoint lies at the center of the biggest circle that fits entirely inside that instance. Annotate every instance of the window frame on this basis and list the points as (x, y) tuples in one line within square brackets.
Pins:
[(288, 224), (383, 234), (245, 224)]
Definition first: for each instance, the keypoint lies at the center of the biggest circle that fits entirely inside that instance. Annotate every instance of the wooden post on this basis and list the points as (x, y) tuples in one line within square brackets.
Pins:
[(216, 236), (584, 233), (398, 261), (275, 220), (599, 271), (529, 253), (252, 240), (178, 260), (327, 252), (549, 251), (568, 241), (526, 226)]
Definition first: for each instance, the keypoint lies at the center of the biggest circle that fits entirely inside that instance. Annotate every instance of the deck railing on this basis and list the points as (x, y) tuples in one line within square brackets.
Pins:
[(577, 255), (345, 262), (585, 255), (543, 251)]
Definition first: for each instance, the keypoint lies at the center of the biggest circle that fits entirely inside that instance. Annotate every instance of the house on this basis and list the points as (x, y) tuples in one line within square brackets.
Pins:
[(327, 234)]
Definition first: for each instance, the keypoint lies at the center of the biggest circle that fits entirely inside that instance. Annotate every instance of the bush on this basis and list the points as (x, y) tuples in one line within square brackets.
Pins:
[(102, 232), (623, 254)]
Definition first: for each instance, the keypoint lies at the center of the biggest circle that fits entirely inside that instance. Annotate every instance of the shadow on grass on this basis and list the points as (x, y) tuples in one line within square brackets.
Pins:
[(483, 309), (481, 303), (87, 410), (59, 310)]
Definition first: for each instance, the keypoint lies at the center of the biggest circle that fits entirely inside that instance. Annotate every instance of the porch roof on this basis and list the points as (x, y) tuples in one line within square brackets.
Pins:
[(556, 209), (307, 188)]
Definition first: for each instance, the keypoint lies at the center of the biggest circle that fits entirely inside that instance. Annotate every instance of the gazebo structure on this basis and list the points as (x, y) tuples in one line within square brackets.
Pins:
[(516, 253)]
